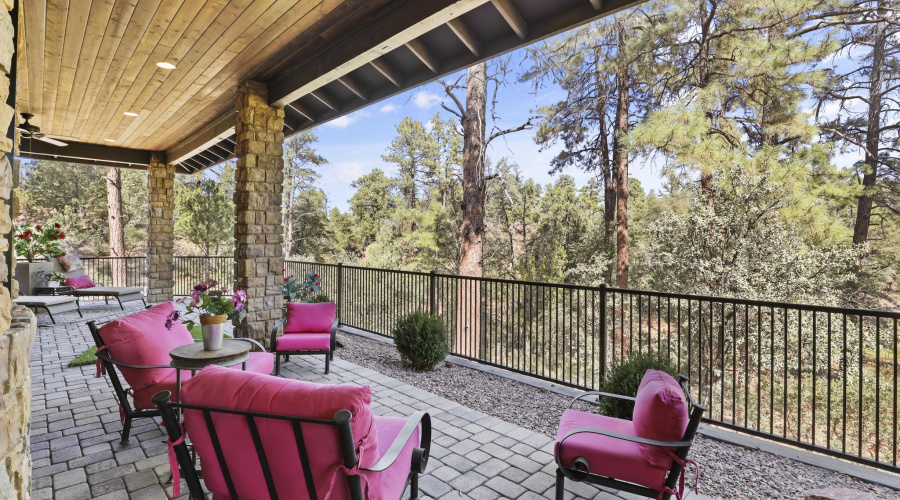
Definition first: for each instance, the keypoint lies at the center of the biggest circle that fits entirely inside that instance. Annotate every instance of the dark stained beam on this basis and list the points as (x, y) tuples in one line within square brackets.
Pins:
[(353, 86), (303, 110), (325, 99), (512, 17), (210, 134), (388, 71), (466, 35), (420, 50), (89, 154)]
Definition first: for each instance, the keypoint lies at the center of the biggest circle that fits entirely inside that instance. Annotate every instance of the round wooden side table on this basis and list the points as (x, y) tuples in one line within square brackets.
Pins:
[(192, 357)]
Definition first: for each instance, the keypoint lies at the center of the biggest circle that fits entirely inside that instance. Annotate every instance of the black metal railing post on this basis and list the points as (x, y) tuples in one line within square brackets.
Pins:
[(340, 287), (431, 291), (602, 332)]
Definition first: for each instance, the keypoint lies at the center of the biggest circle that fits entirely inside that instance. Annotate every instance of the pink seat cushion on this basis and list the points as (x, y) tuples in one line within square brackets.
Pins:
[(304, 342), (259, 362), (142, 339), (79, 282), (607, 456), (390, 483), (310, 318), (660, 412), (222, 388)]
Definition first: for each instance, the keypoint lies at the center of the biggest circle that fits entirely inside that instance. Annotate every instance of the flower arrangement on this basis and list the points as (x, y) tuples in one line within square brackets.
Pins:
[(293, 289), (31, 242), (207, 300), (43, 274)]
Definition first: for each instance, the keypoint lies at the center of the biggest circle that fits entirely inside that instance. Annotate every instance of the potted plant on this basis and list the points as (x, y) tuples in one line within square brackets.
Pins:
[(32, 243), (50, 278), (213, 307), (307, 290)]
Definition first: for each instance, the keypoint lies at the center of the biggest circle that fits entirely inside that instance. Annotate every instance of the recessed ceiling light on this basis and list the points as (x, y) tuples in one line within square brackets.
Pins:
[(109, 140), (165, 65), (129, 113)]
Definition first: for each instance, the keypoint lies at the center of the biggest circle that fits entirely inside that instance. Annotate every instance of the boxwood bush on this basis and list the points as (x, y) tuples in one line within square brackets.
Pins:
[(625, 377), (421, 340)]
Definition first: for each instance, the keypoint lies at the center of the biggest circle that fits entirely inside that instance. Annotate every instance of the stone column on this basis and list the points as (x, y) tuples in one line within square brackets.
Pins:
[(257, 201), (161, 230)]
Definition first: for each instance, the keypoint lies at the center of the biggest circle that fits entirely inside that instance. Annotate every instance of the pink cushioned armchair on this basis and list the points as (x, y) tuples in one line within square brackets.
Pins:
[(263, 437), (308, 329), (138, 345), (645, 455)]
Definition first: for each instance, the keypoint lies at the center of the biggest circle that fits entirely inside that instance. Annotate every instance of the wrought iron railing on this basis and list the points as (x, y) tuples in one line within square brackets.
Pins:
[(821, 378)]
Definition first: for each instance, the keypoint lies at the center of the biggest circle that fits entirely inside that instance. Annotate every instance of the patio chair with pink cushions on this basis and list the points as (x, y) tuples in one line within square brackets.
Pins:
[(646, 455), (263, 437), (308, 329), (138, 345)]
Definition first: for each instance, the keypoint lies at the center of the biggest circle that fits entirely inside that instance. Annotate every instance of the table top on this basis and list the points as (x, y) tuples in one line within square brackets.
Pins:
[(193, 357)]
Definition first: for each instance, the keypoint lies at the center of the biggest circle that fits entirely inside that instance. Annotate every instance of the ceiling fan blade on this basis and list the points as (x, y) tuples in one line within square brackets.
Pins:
[(51, 141)]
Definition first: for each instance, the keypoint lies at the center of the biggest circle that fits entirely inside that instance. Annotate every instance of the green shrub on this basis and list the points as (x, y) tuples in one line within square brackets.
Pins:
[(624, 378), (421, 340), (319, 297)]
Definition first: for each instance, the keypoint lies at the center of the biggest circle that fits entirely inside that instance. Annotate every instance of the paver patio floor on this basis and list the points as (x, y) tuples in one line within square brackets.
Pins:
[(75, 431)]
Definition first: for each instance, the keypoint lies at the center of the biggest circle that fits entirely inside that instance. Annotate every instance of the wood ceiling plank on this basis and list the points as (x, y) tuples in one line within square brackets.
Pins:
[(148, 41), (114, 31), (225, 81), (76, 26), (57, 11), (99, 18)]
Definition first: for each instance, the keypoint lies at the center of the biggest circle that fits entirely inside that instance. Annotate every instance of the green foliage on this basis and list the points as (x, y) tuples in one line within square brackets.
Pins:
[(421, 340), (295, 290), (624, 378), (204, 213), (40, 240), (318, 298), (88, 357), (305, 204), (208, 300)]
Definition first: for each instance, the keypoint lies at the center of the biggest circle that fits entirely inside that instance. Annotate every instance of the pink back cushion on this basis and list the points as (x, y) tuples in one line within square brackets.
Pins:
[(142, 339), (661, 413), (220, 387), (79, 282), (310, 318)]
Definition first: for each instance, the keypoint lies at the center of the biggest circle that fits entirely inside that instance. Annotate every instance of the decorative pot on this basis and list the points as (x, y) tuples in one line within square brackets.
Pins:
[(52, 283), (212, 329)]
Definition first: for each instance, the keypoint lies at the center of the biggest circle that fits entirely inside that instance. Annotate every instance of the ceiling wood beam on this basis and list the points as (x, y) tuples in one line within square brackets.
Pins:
[(78, 152), (303, 110), (420, 50), (391, 27), (388, 71), (353, 86), (224, 153), (212, 133), (466, 35), (512, 17), (325, 99), (598, 4)]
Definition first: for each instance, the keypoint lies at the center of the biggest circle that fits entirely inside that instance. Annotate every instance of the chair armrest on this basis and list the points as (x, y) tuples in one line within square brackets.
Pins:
[(388, 459), (275, 333), (602, 394), (334, 329), (106, 357), (625, 437), (254, 342)]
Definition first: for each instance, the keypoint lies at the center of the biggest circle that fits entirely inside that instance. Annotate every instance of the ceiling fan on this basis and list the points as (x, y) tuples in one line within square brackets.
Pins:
[(27, 130)]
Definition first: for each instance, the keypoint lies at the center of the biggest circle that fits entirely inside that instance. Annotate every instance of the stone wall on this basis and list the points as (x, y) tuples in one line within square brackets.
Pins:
[(257, 199), (161, 230), (15, 406)]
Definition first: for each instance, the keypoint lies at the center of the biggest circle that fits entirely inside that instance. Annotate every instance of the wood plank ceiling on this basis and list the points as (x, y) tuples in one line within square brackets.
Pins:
[(87, 63)]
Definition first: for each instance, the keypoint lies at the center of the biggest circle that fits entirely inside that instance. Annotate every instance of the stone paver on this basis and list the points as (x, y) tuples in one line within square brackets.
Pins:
[(75, 431)]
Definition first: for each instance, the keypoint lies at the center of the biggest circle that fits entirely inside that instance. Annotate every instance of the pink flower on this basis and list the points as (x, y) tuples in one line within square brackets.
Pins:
[(237, 301)]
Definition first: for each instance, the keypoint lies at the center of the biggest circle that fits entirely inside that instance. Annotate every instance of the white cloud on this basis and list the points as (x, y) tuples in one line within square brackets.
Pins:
[(347, 120), (345, 172), (424, 99), (388, 108)]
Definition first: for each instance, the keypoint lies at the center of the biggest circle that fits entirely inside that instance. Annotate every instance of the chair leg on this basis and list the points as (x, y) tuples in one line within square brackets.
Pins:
[(560, 485), (414, 486), (126, 430), (277, 365), (327, 364)]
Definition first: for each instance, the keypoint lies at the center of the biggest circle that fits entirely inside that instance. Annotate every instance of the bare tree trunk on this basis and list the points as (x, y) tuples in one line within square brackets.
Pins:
[(472, 228), (621, 165), (873, 134), (116, 225)]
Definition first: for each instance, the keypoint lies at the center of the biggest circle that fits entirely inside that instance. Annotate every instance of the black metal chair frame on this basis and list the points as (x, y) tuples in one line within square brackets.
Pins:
[(106, 297), (341, 420), (46, 308), (681, 450), (109, 364), (329, 354)]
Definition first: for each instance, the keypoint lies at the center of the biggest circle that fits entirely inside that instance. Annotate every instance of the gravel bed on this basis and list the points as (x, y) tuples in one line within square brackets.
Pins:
[(727, 471)]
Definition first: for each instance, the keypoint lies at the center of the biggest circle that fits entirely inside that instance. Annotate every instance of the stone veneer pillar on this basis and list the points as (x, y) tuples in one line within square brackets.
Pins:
[(161, 230), (257, 201)]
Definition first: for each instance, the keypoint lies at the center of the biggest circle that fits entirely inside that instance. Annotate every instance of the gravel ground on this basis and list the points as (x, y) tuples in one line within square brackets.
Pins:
[(727, 471)]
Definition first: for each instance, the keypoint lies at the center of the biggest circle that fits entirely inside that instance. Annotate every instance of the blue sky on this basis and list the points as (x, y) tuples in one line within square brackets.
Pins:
[(353, 144)]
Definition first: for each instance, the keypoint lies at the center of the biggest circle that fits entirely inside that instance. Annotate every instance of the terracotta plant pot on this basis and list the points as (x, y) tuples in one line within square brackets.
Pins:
[(212, 329)]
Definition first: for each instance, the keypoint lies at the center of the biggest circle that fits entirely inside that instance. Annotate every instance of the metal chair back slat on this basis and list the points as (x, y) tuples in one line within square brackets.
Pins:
[(304, 461), (261, 454), (220, 456)]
